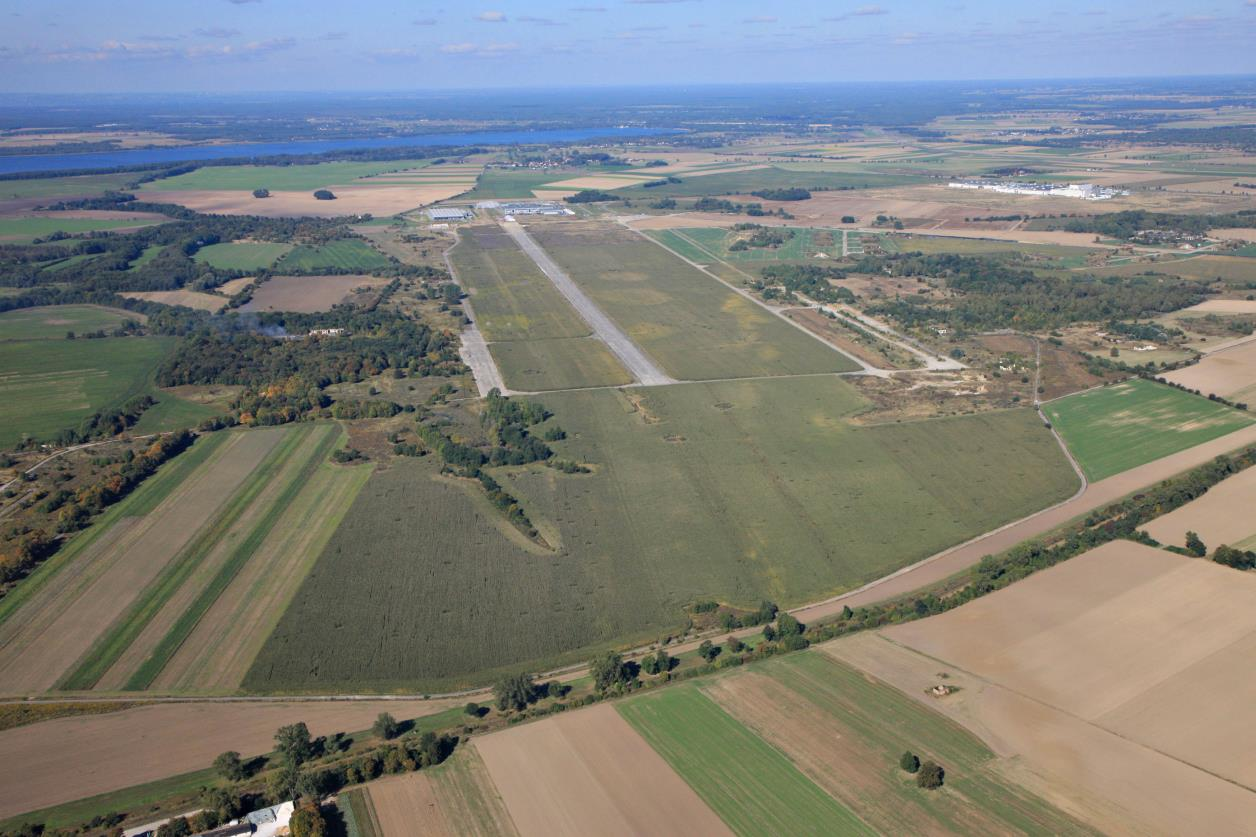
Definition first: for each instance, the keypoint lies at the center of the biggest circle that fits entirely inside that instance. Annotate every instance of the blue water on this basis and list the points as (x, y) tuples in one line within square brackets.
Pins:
[(141, 156)]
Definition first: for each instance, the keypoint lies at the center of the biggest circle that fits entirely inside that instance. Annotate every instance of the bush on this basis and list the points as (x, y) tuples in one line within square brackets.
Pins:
[(324, 195), (1195, 546), (261, 193), (229, 766), (931, 775), (909, 762), (515, 692), (386, 726)]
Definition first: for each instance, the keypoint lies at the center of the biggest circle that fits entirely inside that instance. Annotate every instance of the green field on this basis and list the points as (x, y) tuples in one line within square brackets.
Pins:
[(147, 256), (1053, 255), (505, 183), (63, 187), (735, 491), (1233, 270), (745, 182), (1115, 428), (298, 178), (242, 255), (715, 242), (750, 785), (51, 322), (50, 385), (25, 229), (810, 697), (173, 413), (345, 254), (537, 338), (695, 327)]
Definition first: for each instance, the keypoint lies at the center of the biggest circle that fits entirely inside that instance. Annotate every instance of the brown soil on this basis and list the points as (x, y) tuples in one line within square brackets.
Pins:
[(1221, 516), (190, 299), (588, 772), (72, 758), (406, 806), (1230, 373), (307, 294)]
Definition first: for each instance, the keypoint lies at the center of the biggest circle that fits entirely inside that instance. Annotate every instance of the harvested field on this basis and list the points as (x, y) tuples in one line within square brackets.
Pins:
[(54, 321), (188, 299), (748, 180), (694, 326), (1118, 427), (846, 731), (761, 487), (751, 785), (56, 627), (1221, 516), (233, 286), (468, 797), (1230, 373), (1219, 306), (306, 294), (62, 760), (1126, 641), (588, 772), (295, 178), (350, 200)]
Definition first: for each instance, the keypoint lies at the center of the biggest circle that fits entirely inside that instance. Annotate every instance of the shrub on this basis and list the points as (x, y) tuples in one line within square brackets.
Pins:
[(931, 775), (386, 726), (324, 195), (909, 762), (1195, 546)]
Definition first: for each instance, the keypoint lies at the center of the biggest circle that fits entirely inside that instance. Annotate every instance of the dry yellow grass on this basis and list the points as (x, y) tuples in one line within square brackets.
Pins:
[(189, 299)]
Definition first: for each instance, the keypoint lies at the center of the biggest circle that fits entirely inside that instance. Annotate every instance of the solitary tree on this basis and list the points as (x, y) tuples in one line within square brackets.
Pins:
[(293, 743), (261, 193), (514, 692), (909, 762), (1195, 546), (324, 195), (386, 726), (230, 767), (930, 776)]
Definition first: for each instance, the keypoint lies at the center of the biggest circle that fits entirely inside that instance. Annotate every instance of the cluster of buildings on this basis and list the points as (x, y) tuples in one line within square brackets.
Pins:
[(267, 822), (1084, 191), (526, 207)]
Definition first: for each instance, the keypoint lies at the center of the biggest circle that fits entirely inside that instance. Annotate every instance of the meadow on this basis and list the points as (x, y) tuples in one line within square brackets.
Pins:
[(28, 228), (343, 254), (1232, 270), (504, 183), (49, 385), (692, 325), (242, 255), (52, 322), (805, 244), (298, 178), (1115, 428), (735, 491), (63, 187), (772, 177), (751, 785)]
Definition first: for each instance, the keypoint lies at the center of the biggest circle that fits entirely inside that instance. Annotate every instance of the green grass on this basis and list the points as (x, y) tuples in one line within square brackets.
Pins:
[(65, 264), (695, 327), (749, 784), (565, 363), (1113, 429), (745, 182), (62, 187), (1058, 255), (299, 178), (503, 183), (140, 502), (242, 255), (673, 240), (734, 491), (359, 815), (346, 254), (145, 257), (26, 229), (802, 247), (51, 322), (136, 799), (49, 385), (173, 413), (1234, 270)]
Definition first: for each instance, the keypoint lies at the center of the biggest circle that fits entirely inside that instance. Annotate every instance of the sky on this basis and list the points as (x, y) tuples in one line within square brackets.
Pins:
[(90, 46)]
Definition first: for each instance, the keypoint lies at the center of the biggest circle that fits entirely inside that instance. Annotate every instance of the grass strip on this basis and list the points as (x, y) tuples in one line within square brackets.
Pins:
[(106, 651), (157, 796), (359, 814), (139, 502), (182, 629)]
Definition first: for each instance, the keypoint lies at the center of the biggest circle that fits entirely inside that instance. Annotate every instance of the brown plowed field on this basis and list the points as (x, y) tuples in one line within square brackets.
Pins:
[(308, 294), (1230, 373), (406, 806), (456, 798), (71, 758), (59, 624), (588, 772), (1222, 516), (350, 200)]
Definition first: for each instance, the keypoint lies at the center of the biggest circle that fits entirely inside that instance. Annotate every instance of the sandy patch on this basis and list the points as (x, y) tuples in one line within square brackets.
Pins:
[(307, 294), (350, 200), (189, 299), (1241, 233), (71, 758), (588, 772), (1219, 306), (1222, 515)]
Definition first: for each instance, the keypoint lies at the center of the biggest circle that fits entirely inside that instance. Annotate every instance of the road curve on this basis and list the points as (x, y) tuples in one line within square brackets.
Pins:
[(644, 370)]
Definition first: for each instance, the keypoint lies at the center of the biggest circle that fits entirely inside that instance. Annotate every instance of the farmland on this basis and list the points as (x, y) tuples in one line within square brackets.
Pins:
[(745, 182), (301, 178), (1219, 517), (805, 244), (31, 227), (695, 327), (50, 385), (53, 322), (188, 299), (309, 293), (242, 255), (672, 468), (345, 254), (1115, 428), (1099, 668), (146, 582), (536, 337), (1230, 373), (752, 786), (456, 798)]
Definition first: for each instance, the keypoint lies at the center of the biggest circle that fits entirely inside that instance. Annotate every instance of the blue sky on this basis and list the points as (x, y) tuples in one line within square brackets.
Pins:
[(241, 45)]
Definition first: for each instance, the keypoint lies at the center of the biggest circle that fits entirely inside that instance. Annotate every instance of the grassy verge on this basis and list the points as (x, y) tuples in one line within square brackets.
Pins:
[(164, 796)]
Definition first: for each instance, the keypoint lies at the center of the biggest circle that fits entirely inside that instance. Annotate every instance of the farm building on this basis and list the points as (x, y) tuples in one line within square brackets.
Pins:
[(449, 213), (527, 207)]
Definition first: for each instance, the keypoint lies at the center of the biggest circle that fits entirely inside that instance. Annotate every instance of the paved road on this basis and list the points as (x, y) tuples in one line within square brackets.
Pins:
[(642, 369), (475, 354)]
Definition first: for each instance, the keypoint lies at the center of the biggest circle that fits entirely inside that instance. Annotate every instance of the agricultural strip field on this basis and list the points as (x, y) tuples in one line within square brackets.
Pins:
[(588, 772), (748, 783), (1115, 428), (51, 322), (745, 182), (345, 254), (735, 491), (536, 337), (846, 732), (302, 178), (1221, 516), (25, 229), (693, 326), (458, 797), (242, 255), (1125, 661), (49, 385), (1230, 373)]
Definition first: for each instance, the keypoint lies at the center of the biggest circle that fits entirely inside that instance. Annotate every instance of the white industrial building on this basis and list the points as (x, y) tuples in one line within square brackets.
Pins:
[(526, 207), (450, 213), (1084, 191)]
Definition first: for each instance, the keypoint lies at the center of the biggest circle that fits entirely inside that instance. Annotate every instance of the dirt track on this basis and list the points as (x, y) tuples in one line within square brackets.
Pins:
[(71, 758)]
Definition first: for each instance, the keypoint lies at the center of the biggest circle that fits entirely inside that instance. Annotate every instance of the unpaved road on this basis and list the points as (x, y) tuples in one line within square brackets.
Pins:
[(644, 370), (475, 354)]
